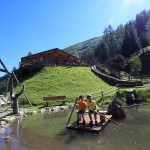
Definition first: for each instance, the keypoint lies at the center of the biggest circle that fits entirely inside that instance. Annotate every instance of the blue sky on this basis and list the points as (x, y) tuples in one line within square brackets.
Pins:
[(39, 25)]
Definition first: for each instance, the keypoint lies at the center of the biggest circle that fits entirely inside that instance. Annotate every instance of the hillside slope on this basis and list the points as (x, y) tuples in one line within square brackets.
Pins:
[(86, 46), (144, 55), (69, 81)]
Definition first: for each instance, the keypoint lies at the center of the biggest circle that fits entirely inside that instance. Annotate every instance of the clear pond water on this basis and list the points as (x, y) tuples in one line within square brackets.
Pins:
[(47, 132)]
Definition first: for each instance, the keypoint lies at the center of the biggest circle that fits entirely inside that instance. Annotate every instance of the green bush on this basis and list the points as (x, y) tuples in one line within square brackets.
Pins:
[(121, 94), (143, 95)]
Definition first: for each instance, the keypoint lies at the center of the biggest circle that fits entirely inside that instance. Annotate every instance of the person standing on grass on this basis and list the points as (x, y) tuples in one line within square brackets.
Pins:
[(81, 107)]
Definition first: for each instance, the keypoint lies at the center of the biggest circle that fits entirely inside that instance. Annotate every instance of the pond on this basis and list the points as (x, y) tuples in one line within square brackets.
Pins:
[(47, 132)]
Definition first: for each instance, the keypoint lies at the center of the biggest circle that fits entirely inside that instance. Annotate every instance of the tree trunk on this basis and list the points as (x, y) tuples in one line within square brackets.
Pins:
[(15, 106)]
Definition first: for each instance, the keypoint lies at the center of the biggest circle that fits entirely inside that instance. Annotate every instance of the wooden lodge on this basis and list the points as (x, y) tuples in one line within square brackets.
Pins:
[(51, 57)]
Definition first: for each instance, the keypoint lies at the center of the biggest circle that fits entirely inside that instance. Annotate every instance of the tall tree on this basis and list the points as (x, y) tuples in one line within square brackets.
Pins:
[(130, 42), (143, 40), (120, 35), (140, 24), (102, 52), (141, 20), (118, 62), (14, 69), (135, 65), (110, 39), (148, 30)]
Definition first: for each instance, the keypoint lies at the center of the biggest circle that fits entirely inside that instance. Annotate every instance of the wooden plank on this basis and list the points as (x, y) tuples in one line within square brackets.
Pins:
[(53, 98), (87, 128)]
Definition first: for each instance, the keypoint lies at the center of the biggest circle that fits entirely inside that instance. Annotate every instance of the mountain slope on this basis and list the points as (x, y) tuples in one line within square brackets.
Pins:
[(86, 46)]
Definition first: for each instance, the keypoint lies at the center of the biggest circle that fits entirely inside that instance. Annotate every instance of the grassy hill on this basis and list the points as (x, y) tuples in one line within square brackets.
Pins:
[(86, 46), (55, 81)]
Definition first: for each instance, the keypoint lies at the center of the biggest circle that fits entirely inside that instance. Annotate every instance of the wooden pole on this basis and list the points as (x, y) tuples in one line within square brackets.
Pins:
[(72, 111), (6, 70), (2, 70), (102, 94), (21, 87)]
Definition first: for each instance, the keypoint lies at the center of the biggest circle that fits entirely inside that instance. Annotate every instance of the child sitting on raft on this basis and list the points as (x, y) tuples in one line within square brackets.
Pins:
[(81, 106)]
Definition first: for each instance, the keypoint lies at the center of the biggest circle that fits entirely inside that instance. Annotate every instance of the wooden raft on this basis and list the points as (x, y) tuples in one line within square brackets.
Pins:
[(87, 128)]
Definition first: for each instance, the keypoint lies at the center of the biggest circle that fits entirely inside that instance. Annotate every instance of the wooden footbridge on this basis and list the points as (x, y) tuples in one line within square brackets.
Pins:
[(114, 80)]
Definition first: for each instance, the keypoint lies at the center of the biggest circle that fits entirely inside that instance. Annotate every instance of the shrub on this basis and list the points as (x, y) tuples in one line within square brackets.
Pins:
[(143, 95)]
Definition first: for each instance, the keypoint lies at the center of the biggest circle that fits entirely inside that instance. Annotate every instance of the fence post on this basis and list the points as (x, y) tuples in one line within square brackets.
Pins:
[(102, 92)]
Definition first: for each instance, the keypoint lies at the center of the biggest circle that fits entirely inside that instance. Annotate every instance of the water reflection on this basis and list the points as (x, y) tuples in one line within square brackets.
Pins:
[(48, 132)]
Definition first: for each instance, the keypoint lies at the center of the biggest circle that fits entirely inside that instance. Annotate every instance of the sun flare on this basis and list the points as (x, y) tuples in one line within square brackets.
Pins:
[(130, 2)]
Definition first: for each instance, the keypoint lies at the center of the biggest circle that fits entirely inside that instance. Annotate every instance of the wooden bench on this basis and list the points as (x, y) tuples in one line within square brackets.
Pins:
[(54, 98)]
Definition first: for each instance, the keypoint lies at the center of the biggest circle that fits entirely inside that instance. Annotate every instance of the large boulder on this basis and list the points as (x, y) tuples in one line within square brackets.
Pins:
[(115, 109)]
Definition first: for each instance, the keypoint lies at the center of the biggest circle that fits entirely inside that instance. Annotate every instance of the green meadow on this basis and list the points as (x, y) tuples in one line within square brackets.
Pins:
[(56, 81), (72, 82)]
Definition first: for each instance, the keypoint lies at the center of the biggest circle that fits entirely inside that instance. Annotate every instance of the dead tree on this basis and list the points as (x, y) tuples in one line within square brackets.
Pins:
[(14, 98)]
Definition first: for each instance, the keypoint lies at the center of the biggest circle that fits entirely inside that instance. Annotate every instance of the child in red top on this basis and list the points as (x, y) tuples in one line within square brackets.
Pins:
[(81, 106)]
